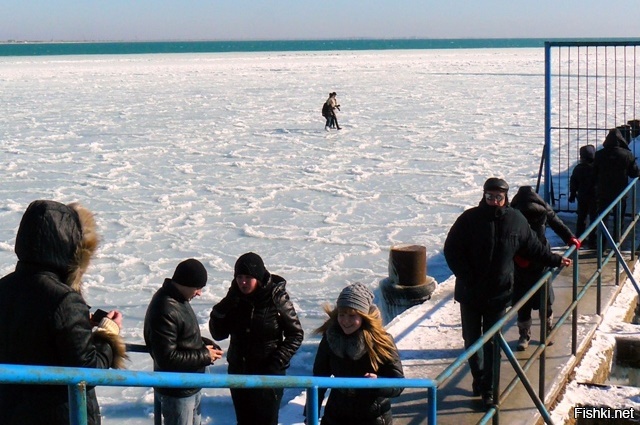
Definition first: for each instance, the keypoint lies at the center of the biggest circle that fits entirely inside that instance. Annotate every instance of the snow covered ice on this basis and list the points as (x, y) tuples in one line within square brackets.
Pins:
[(213, 155)]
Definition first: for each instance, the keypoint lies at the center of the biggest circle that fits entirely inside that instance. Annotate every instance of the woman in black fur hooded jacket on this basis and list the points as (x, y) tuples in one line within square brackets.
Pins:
[(265, 333), (539, 215), (355, 344), (44, 319)]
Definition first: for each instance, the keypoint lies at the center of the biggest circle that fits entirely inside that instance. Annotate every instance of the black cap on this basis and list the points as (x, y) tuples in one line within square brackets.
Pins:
[(250, 264), (495, 183), (190, 273)]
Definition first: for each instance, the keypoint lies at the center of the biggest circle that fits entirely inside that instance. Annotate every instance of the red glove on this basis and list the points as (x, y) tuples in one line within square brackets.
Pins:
[(575, 241), (521, 262)]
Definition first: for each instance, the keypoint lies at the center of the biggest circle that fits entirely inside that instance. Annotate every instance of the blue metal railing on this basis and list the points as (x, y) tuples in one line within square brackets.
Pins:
[(77, 379)]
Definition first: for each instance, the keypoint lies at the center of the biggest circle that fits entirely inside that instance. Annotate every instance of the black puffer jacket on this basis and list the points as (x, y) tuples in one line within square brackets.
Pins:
[(480, 248), (172, 333), (44, 319), (612, 167), (539, 215), (353, 406), (264, 328)]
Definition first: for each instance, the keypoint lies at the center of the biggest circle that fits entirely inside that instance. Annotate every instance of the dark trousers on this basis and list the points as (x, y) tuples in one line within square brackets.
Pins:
[(257, 406), (475, 322), (524, 280), (617, 225), (586, 210)]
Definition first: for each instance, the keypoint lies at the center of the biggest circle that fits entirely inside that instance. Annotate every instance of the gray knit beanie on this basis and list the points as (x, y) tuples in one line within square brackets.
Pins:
[(358, 297)]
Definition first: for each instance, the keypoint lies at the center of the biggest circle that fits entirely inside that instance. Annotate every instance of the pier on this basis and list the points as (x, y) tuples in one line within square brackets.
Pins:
[(438, 331)]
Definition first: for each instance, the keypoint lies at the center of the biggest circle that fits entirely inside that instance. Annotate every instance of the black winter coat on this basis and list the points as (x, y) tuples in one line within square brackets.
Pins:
[(612, 167), (582, 183), (539, 214), (45, 321), (354, 406), (172, 334), (480, 248), (264, 328)]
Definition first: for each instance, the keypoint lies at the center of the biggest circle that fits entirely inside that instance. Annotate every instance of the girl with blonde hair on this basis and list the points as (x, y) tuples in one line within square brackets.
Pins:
[(355, 344)]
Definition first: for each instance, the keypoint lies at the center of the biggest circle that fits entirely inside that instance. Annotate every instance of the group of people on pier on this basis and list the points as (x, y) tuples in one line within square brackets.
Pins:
[(45, 320)]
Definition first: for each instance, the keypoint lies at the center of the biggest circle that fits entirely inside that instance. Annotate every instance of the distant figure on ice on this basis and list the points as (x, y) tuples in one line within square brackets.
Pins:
[(582, 187), (612, 167), (329, 112), (355, 345), (265, 333), (45, 320), (539, 214), (479, 250), (172, 333)]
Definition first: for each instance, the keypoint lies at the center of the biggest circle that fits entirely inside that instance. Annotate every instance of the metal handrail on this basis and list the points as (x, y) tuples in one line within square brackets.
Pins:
[(77, 380)]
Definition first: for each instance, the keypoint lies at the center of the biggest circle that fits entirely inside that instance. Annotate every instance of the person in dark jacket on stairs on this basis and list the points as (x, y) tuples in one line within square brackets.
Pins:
[(539, 215), (172, 334), (582, 188), (613, 165), (265, 332), (479, 250)]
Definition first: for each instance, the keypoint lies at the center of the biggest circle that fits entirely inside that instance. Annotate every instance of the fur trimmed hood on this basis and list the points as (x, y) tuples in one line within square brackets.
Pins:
[(58, 237)]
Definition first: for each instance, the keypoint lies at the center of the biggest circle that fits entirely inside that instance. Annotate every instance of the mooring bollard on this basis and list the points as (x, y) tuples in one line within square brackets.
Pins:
[(408, 283)]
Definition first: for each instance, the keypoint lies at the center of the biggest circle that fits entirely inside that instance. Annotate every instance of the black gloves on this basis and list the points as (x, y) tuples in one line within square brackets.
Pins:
[(229, 302)]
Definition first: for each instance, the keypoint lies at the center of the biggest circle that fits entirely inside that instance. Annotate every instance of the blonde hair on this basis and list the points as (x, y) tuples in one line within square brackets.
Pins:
[(378, 343)]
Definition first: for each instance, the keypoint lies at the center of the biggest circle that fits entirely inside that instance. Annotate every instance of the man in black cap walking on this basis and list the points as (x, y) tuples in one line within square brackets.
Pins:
[(172, 334), (479, 250)]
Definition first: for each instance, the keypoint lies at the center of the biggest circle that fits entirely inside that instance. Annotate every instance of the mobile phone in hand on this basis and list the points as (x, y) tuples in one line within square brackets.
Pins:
[(99, 315)]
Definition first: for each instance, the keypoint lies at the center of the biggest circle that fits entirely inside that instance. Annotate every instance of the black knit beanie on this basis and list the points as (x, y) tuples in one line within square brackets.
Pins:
[(190, 273), (358, 297), (250, 264)]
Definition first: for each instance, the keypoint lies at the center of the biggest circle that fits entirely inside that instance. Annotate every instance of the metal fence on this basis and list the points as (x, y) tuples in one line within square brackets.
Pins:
[(590, 88)]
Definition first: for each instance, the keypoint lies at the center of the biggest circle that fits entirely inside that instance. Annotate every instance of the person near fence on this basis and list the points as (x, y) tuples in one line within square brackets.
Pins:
[(265, 332), (612, 167), (355, 344), (172, 335), (539, 215), (44, 318), (582, 187), (479, 250)]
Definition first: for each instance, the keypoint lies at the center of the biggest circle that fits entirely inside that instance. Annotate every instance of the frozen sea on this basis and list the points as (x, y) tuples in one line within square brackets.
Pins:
[(213, 155)]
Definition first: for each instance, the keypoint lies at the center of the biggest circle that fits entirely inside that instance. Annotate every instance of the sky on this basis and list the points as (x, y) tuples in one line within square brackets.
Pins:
[(142, 20)]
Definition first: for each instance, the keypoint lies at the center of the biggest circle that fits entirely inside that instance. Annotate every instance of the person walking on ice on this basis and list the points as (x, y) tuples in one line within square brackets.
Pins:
[(329, 112)]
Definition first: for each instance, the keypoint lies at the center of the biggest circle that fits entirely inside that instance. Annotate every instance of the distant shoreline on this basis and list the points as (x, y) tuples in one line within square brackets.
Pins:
[(42, 48)]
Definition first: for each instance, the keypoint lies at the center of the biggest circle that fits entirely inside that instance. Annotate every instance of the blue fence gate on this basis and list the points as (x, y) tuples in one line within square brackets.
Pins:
[(590, 88)]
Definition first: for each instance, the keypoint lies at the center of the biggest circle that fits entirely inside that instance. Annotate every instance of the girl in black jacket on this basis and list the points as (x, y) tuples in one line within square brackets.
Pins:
[(265, 333), (354, 344)]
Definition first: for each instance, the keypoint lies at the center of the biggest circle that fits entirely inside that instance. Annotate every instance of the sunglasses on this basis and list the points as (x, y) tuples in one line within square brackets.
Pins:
[(492, 197)]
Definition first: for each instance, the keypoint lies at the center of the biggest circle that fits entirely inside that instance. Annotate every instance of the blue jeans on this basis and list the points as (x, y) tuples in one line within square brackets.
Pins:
[(181, 410)]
